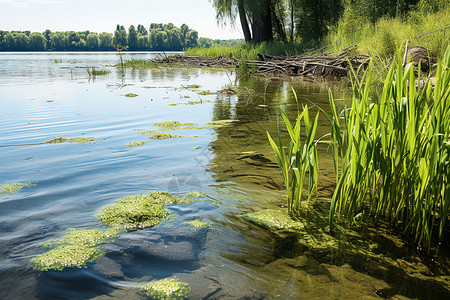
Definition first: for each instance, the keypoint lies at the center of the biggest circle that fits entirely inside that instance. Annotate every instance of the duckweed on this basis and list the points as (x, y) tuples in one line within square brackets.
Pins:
[(275, 219), (165, 289), (14, 187), (139, 212), (134, 144), (130, 95), (78, 247), (58, 140), (198, 224)]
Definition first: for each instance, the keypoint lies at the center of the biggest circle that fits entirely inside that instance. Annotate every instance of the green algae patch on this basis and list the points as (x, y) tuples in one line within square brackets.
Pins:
[(205, 93), (139, 212), (198, 224), (75, 249), (198, 147), (173, 124), (12, 188), (167, 289), (197, 194), (130, 95), (80, 140), (221, 122), (275, 219), (134, 144), (194, 86), (163, 136)]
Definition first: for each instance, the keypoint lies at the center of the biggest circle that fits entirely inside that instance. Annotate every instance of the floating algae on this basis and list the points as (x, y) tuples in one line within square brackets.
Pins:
[(275, 219), (165, 289), (206, 93), (58, 140), (130, 95), (198, 224), (139, 212), (134, 144), (221, 122), (197, 194), (173, 124), (14, 187), (75, 249), (194, 86)]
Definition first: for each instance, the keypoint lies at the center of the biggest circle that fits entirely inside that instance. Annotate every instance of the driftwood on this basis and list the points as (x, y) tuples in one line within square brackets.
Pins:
[(197, 61), (298, 65), (308, 65)]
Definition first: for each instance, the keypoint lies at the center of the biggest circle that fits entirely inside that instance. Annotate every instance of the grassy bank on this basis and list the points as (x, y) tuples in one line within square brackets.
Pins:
[(381, 38)]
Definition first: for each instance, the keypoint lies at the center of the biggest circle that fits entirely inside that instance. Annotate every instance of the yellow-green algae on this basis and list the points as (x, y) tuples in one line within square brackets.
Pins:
[(205, 93), (275, 219), (198, 224), (194, 86), (139, 212), (173, 124), (134, 144), (167, 289), (221, 122), (156, 135), (130, 95), (75, 249), (58, 140), (197, 194), (14, 187)]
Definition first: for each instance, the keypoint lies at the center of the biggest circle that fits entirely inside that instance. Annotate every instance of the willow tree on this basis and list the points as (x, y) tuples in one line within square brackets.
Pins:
[(256, 17)]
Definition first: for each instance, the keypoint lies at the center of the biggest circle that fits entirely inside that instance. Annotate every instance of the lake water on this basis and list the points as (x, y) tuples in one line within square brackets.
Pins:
[(48, 95)]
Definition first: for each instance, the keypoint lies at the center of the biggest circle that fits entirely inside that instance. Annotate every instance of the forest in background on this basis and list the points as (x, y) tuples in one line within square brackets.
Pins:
[(158, 37)]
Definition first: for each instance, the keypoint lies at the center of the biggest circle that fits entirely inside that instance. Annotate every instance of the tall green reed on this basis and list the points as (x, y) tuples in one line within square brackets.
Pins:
[(392, 156), (297, 158)]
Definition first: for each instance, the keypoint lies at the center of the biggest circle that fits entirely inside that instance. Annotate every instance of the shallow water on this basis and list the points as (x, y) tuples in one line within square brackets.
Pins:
[(47, 95)]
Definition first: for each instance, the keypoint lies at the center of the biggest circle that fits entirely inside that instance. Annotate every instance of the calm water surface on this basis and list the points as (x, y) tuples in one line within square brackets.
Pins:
[(47, 95)]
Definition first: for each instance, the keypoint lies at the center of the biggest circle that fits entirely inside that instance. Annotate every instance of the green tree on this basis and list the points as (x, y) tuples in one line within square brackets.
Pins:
[(105, 41), (37, 42), (142, 30), (92, 41), (21, 42), (132, 38)]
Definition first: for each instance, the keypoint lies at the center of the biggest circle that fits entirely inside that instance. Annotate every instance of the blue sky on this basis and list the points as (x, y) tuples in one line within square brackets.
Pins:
[(104, 15)]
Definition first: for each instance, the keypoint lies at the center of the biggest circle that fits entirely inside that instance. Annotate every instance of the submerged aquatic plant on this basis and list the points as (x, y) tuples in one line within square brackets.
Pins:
[(166, 289), (75, 249), (297, 158), (14, 187), (139, 212), (392, 156)]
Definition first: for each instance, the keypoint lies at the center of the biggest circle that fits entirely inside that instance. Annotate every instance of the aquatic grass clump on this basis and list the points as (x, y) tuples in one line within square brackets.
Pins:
[(75, 249), (197, 194), (12, 188), (167, 289), (392, 156), (297, 158), (58, 140), (156, 135), (139, 212)]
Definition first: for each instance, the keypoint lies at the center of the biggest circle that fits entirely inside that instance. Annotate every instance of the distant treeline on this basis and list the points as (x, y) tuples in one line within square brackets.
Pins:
[(165, 37)]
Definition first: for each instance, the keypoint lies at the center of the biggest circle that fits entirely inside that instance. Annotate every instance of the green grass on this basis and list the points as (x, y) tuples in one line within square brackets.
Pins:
[(250, 51), (392, 156), (381, 39), (297, 158)]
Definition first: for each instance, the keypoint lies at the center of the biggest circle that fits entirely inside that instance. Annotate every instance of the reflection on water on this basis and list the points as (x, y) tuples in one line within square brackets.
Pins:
[(47, 95)]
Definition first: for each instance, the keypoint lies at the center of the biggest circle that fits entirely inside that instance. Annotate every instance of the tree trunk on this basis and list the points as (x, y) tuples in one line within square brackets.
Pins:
[(262, 23), (244, 22)]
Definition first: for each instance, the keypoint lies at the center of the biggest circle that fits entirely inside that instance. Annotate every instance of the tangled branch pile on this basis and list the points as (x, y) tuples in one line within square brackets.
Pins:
[(197, 61), (307, 65)]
